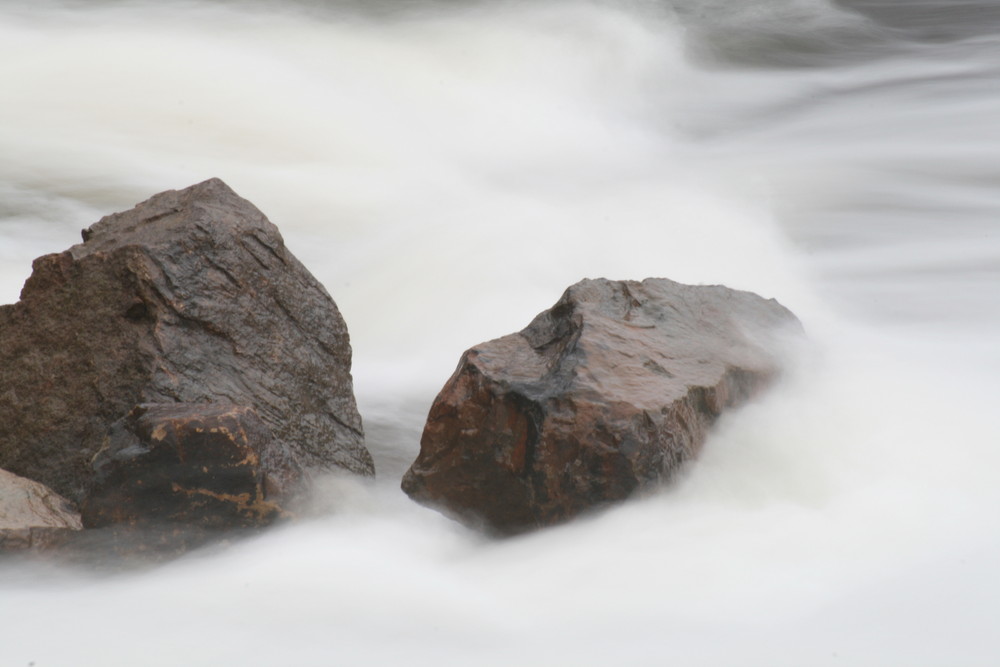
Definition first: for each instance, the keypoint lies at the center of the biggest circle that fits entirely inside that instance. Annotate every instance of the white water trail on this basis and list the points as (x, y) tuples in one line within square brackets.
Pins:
[(446, 172)]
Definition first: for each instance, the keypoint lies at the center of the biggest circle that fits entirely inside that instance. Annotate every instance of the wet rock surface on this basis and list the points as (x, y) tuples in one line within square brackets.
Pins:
[(191, 297), (610, 391), (206, 465)]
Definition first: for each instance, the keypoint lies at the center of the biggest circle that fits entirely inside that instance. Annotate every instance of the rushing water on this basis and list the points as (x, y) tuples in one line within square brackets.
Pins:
[(447, 169)]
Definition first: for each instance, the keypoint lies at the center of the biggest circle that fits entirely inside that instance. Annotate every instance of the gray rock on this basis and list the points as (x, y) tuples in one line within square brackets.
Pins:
[(610, 391), (30, 513), (27, 504), (190, 297)]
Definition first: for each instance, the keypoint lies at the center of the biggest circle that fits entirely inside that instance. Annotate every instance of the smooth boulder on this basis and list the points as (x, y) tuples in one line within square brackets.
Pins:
[(610, 391), (191, 297)]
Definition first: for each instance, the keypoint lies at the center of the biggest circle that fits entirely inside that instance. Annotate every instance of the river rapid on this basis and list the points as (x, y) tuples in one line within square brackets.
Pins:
[(446, 169)]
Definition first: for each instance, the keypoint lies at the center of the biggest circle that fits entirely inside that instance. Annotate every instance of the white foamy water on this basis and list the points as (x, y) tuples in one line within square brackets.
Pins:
[(446, 170)]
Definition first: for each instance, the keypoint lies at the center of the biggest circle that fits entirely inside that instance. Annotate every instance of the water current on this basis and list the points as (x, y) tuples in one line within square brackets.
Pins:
[(446, 169)]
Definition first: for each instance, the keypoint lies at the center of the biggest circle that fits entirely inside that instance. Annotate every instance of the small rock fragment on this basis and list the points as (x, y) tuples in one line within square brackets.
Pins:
[(31, 513)]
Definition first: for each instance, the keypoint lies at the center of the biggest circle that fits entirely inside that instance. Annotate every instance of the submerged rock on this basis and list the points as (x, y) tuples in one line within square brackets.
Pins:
[(189, 298), (608, 392)]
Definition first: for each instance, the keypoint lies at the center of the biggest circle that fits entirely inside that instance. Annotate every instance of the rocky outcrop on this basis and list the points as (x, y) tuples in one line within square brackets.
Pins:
[(31, 514), (610, 391), (189, 298), (211, 466)]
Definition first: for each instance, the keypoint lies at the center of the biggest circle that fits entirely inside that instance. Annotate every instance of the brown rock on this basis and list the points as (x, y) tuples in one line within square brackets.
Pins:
[(197, 464), (608, 392), (190, 297)]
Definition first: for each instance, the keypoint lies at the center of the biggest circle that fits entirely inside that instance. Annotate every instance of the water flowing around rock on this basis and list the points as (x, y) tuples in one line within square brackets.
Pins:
[(446, 168), (609, 391)]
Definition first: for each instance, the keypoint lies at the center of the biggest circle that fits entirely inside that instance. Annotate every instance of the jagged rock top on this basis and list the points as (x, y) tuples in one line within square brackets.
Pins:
[(157, 222), (190, 297), (654, 337)]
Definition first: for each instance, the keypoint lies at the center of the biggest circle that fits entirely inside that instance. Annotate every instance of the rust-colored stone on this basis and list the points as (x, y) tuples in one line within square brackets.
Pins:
[(608, 392), (197, 464)]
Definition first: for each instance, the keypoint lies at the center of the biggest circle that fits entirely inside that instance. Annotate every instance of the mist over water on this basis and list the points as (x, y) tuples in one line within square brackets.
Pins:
[(446, 169)]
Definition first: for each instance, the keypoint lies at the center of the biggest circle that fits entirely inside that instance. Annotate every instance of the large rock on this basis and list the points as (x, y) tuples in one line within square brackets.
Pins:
[(610, 391), (31, 513), (190, 297)]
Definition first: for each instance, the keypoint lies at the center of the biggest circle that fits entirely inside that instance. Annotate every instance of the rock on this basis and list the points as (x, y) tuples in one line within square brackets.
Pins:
[(27, 504), (190, 297), (207, 465), (609, 392), (31, 513)]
